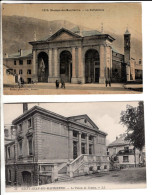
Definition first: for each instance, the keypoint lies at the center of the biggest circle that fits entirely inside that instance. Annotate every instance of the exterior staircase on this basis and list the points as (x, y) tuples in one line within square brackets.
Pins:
[(63, 177)]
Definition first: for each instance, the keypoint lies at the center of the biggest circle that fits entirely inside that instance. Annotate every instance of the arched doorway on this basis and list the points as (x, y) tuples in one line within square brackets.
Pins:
[(43, 70), (92, 66), (66, 66), (26, 178)]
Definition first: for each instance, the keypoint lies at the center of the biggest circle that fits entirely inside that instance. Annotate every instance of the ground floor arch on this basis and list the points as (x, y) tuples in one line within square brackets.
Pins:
[(43, 69), (66, 66), (26, 178), (92, 66)]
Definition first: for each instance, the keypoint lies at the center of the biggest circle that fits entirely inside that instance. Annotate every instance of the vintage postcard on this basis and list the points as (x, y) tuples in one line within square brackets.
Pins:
[(84, 48), (50, 147)]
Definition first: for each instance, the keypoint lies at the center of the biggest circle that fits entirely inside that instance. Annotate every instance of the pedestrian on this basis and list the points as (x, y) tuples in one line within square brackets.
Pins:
[(19, 82), (109, 82), (57, 84), (62, 84), (106, 82)]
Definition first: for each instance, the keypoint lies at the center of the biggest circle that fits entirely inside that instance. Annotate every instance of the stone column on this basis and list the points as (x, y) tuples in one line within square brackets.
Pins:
[(94, 146), (74, 79), (87, 152), (80, 66), (70, 145), (34, 75), (79, 144), (50, 66), (102, 64)]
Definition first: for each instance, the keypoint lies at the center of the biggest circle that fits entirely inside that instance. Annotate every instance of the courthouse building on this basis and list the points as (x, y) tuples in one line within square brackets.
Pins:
[(75, 56), (50, 147)]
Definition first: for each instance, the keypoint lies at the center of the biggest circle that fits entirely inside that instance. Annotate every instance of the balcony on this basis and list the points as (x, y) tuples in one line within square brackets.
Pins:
[(126, 152)]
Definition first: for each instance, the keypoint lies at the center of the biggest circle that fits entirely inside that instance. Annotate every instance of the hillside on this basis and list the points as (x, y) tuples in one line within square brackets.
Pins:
[(18, 31)]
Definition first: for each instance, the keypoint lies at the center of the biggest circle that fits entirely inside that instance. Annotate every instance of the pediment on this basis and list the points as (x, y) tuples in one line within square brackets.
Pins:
[(63, 34), (85, 120)]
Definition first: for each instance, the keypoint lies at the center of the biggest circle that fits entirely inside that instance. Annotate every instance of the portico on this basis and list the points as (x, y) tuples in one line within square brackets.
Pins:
[(73, 57)]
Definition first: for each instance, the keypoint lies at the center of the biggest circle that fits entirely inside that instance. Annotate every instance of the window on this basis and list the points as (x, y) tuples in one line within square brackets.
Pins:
[(14, 150), (125, 159), (20, 148), (126, 148), (29, 122), (29, 71), (20, 128), (14, 62), (9, 152), (83, 148), (20, 71), (85, 120), (83, 136), (20, 62), (14, 71), (30, 146), (9, 175), (75, 134), (90, 137), (28, 61), (90, 149)]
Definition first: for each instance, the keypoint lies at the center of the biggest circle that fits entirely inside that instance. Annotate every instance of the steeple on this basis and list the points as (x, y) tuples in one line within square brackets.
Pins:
[(127, 31)]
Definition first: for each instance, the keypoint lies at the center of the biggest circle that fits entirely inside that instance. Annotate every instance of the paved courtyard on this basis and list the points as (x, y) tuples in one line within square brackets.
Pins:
[(50, 89)]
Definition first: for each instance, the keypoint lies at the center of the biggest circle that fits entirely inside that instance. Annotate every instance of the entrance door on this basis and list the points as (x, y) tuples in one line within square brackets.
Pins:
[(75, 150), (97, 74), (26, 176)]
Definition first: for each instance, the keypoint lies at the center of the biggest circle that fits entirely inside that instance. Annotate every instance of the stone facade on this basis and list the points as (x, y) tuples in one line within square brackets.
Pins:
[(46, 142)]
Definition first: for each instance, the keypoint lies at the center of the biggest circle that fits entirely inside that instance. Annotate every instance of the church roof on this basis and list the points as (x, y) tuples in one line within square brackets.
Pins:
[(75, 32), (120, 141)]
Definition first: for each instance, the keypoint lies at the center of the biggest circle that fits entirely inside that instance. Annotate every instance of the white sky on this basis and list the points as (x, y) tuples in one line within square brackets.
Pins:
[(106, 115)]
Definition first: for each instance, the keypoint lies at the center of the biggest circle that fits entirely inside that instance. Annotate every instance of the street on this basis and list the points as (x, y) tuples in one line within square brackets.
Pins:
[(50, 89)]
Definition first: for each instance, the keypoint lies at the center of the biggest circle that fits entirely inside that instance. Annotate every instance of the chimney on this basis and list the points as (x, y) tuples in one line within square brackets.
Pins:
[(25, 107), (21, 52)]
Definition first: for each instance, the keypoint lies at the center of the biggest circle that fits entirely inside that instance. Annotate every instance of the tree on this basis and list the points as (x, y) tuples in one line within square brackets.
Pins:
[(133, 118)]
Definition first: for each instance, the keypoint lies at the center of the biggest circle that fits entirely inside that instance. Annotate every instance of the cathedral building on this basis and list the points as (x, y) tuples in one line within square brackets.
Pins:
[(75, 56)]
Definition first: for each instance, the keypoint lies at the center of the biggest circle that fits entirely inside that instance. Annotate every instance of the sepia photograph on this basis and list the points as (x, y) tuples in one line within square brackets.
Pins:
[(83, 48), (49, 147)]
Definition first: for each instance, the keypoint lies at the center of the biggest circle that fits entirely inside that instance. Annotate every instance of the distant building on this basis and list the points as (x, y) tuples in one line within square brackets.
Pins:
[(122, 151), (76, 56), (21, 64), (50, 147)]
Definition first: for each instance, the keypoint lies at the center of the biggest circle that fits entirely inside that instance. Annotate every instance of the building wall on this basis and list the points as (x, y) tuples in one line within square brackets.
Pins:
[(7, 77), (25, 67), (55, 136), (100, 145)]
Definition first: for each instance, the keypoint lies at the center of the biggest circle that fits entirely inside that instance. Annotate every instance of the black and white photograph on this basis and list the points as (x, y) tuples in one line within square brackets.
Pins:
[(100, 146), (72, 48)]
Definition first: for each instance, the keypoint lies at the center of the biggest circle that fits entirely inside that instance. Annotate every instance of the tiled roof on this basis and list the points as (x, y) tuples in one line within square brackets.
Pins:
[(25, 53), (119, 141)]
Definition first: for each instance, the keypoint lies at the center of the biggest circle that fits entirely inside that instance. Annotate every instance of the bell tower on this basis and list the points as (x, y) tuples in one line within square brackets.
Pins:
[(127, 47), (127, 37)]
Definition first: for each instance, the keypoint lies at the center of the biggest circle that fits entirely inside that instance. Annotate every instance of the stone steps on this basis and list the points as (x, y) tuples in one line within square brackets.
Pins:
[(64, 177)]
